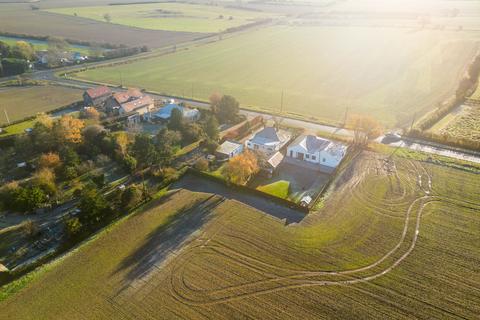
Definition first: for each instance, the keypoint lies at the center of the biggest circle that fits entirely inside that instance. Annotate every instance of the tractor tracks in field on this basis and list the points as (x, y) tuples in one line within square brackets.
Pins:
[(280, 278)]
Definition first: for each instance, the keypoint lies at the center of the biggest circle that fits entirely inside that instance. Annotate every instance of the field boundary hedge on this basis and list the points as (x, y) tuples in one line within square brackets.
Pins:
[(466, 87), (250, 191)]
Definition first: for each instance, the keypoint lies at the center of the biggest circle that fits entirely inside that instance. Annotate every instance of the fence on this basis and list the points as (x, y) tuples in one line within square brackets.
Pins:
[(250, 191)]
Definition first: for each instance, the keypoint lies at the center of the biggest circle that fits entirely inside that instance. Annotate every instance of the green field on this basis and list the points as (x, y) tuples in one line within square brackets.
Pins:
[(23, 102), (169, 16), (396, 240), (390, 73)]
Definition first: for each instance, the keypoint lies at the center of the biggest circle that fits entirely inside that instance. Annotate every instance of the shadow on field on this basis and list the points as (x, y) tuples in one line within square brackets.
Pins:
[(167, 238), (198, 184)]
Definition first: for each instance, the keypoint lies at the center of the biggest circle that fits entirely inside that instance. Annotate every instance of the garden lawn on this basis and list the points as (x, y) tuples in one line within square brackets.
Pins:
[(279, 189), (389, 73)]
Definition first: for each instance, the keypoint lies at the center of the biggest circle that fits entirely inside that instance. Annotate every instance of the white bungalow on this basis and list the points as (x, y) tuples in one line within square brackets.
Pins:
[(314, 150), (229, 149), (269, 140)]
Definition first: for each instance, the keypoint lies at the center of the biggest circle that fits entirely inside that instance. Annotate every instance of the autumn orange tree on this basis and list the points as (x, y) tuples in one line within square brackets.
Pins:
[(122, 141), (365, 128), (69, 129), (49, 160), (240, 168), (45, 179), (92, 113), (215, 100)]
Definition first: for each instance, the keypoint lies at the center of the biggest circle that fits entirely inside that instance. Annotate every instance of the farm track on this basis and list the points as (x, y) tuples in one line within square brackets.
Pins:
[(280, 278)]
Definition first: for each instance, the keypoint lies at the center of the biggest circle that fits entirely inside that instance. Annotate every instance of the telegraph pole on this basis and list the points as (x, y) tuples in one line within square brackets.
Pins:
[(345, 117), (413, 121), (6, 116), (281, 103)]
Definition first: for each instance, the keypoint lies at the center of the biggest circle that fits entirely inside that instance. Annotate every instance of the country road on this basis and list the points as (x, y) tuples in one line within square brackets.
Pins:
[(417, 145)]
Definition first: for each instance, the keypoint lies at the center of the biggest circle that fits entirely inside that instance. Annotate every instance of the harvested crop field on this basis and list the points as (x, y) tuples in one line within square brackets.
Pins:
[(21, 102), (388, 72), (20, 19), (463, 124), (397, 239), (169, 16)]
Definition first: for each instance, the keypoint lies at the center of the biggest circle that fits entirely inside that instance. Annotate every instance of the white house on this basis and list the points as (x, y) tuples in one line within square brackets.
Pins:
[(229, 149), (318, 151), (269, 140)]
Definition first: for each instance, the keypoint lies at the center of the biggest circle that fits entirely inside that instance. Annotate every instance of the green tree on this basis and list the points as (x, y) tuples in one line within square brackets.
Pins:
[(73, 226), (144, 150), (28, 199), (56, 50), (107, 17), (166, 141), (176, 120), (130, 163), (42, 138), (12, 66), (211, 128), (228, 109), (192, 132), (69, 157), (4, 50), (93, 206), (131, 197), (23, 50)]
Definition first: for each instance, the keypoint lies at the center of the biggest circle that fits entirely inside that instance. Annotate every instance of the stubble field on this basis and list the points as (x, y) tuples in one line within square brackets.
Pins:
[(28, 101), (396, 238), (390, 73), (169, 16)]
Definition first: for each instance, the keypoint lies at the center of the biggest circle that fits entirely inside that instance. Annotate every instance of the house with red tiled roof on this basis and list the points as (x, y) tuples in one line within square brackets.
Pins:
[(141, 105), (96, 96), (117, 99)]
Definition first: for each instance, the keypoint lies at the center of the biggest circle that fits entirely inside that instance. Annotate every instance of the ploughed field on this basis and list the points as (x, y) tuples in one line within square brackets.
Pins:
[(28, 101), (390, 73), (396, 239), (19, 18)]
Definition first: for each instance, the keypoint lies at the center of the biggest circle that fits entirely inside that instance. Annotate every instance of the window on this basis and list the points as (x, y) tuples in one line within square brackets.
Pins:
[(307, 156), (314, 158)]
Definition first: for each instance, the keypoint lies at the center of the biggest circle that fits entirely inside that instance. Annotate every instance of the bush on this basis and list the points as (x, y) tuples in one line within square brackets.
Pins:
[(73, 226), (210, 145), (12, 66), (31, 228), (202, 164), (131, 197)]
